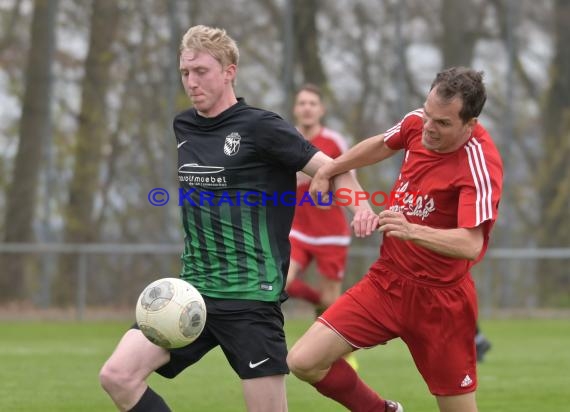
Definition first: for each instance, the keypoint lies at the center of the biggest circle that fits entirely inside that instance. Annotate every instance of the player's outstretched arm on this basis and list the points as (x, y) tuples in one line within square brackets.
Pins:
[(367, 152), (365, 220), (320, 159)]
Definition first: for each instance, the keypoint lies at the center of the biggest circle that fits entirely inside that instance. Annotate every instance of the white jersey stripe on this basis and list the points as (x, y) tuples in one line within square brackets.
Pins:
[(391, 132), (482, 180), (320, 240), (477, 161), (395, 129), (477, 189), (489, 201), (481, 183)]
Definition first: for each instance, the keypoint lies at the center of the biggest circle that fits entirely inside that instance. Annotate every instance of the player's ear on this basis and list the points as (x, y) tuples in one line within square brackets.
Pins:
[(471, 123), (323, 109), (230, 72)]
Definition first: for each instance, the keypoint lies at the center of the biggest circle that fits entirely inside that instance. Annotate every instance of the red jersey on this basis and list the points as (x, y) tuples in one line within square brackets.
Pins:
[(321, 226), (460, 189)]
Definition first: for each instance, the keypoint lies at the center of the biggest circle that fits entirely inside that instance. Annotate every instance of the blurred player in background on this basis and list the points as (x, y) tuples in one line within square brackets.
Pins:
[(436, 228), (482, 344), (317, 234), (320, 235)]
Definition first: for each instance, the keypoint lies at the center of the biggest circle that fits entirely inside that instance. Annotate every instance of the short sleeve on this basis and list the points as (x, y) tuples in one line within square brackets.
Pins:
[(281, 143), (396, 138), (481, 191), (331, 143)]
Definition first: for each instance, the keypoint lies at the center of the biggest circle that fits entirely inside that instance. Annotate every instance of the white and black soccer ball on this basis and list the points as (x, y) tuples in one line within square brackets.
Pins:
[(171, 313)]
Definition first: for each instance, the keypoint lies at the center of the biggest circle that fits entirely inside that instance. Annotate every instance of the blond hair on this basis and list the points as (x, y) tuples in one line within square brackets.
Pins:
[(213, 41)]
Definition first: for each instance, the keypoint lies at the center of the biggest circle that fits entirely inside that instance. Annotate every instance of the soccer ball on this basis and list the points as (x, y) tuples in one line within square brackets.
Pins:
[(171, 313)]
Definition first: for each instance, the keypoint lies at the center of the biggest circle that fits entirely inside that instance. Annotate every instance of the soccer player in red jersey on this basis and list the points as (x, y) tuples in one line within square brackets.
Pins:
[(317, 234), (436, 228)]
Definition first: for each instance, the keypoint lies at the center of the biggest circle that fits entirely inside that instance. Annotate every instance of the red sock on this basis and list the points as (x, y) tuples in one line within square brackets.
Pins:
[(343, 385), (299, 289)]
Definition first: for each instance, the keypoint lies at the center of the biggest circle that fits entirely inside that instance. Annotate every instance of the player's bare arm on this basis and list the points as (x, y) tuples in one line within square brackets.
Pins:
[(302, 178), (367, 152), (460, 243), (311, 168), (365, 220), (317, 162)]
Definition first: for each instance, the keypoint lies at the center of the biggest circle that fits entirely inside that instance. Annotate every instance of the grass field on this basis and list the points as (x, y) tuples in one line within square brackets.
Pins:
[(51, 366)]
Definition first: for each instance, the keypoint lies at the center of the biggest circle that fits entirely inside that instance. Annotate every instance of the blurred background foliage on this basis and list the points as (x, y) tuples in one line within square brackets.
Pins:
[(89, 88)]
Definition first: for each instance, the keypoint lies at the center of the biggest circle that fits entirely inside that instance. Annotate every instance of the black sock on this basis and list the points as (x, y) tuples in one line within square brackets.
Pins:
[(150, 402)]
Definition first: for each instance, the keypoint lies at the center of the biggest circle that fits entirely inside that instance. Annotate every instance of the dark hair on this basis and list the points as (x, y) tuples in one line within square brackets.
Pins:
[(310, 87), (465, 83)]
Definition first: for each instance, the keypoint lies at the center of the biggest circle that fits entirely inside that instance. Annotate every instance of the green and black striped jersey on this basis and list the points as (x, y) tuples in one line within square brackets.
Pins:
[(237, 174)]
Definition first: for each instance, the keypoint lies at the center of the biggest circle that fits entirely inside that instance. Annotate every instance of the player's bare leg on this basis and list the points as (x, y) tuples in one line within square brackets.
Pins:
[(316, 359), (265, 394), (458, 403), (134, 359), (312, 356), (297, 288), (330, 290), (294, 271)]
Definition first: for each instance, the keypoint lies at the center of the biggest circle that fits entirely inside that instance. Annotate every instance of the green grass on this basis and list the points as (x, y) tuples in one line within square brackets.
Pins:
[(52, 366)]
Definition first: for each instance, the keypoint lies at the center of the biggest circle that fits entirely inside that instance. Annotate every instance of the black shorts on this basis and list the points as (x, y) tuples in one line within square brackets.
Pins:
[(250, 333)]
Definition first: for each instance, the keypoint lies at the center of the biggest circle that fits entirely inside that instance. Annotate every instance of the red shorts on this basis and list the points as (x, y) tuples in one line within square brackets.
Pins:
[(331, 259), (436, 323)]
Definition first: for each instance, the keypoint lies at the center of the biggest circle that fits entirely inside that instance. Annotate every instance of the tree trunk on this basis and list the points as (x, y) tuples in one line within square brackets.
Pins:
[(553, 177), (92, 134), (307, 54), (459, 36), (35, 127)]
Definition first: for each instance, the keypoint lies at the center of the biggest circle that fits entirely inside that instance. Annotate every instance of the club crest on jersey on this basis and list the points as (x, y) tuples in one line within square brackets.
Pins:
[(231, 145)]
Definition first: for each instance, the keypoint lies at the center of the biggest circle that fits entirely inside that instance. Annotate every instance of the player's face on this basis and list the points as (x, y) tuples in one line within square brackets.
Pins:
[(444, 131), (308, 109), (205, 81)]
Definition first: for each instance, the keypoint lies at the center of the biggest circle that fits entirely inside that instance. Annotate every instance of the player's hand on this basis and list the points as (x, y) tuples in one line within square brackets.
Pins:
[(395, 224), (364, 222), (320, 191)]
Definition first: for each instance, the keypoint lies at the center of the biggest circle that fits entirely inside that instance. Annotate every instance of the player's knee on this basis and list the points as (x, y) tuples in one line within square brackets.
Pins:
[(328, 299), (107, 377), (114, 379), (300, 364), (330, 292)]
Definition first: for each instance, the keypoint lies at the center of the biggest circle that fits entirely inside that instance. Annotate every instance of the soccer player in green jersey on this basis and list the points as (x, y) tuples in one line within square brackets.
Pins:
[(236, 166)]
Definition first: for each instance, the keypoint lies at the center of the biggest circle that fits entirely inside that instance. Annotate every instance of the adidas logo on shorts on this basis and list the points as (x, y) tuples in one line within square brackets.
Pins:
[(466, 381)]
